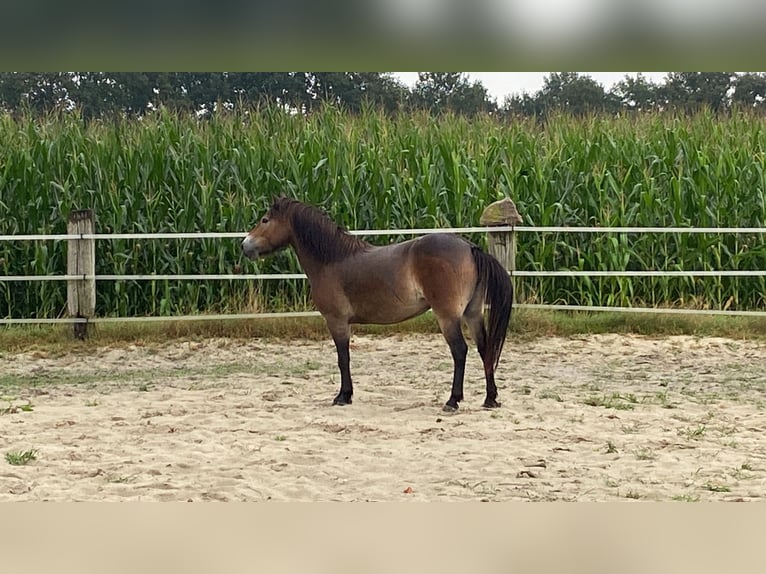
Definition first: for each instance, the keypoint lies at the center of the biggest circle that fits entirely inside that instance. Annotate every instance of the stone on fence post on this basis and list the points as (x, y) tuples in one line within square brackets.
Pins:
[(502, 244), (81, 260)]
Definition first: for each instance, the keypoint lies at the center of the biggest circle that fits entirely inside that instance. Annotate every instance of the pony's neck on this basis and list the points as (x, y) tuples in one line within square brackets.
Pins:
[(318, 240)]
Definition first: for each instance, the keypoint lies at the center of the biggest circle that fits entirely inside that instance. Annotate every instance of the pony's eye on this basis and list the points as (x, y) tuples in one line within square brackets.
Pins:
[(265, 220)]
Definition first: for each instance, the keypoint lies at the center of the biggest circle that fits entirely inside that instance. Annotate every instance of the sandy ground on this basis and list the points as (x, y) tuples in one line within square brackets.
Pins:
[(594, 418)]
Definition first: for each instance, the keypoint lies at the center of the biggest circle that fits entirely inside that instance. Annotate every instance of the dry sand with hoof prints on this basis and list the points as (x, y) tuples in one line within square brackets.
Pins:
[(594, 418)]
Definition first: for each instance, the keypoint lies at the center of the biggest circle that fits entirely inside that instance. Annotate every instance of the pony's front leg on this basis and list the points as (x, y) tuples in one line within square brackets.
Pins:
[(341, 334)]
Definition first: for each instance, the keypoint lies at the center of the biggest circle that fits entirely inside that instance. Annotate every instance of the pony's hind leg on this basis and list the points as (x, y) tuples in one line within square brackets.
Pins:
[(450, 328), (475, 321)]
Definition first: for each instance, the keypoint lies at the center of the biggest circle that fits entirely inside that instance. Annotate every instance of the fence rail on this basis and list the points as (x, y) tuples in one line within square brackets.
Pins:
[(302, 314), (79, 237), (377, 232), (282, 276)]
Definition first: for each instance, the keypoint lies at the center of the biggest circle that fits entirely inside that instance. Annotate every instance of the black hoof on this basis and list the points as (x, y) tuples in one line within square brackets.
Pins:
[(342, 399), (452, 403), (491, 404)]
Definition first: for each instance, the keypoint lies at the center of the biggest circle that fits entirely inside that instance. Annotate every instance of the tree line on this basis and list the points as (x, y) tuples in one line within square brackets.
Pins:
[(105, 94), (680, 92)]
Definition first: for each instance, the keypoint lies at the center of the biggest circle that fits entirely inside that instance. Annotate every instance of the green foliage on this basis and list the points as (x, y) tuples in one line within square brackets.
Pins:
[(441, 92), (171, 172), (575, 93), (136, 94), (113, 94), (20, 458)]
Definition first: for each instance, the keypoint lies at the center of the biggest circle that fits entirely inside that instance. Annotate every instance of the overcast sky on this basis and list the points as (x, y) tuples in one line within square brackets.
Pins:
[(501, 84)]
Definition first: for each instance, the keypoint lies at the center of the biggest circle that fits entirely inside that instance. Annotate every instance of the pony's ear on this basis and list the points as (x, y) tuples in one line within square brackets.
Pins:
[(278, 202)]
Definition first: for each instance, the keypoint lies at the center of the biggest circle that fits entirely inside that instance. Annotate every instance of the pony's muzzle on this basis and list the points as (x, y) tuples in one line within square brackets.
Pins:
[(249, 248)]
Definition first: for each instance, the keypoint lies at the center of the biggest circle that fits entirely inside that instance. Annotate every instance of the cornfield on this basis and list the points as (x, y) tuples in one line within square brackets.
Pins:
[(175, 173)]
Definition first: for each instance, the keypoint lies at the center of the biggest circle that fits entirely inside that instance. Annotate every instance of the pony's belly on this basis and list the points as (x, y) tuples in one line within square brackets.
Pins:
[(385, 314)]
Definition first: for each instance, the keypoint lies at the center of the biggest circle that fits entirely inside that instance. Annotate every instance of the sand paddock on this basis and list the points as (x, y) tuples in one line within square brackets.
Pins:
[(597, 418)]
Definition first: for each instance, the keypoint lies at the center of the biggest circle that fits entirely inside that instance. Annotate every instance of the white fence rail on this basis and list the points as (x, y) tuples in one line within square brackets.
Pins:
[(299, 314), (374, 232), (379, 232), (281, 276)]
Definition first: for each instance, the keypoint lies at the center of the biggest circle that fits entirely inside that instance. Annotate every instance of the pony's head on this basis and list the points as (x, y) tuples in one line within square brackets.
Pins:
[(272, 233)]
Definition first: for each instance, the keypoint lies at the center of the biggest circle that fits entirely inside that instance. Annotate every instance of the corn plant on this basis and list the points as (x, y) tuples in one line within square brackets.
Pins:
[(174, 173)]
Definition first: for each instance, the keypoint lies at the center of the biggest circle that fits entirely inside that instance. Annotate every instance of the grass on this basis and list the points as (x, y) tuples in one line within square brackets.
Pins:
[(117, 479), (717, 487), (663, 400), (525, 324), (686, 498), (632, 428), (691, 433), (549, 394), (20, 458), (482, 488), (645, 454), (13, 409), (613, 401)]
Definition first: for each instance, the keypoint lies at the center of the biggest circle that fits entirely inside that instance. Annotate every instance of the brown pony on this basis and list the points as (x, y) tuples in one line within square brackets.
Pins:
[(353, 281)]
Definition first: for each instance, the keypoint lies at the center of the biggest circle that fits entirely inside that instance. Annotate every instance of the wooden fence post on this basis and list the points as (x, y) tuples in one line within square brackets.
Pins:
[(502, 244), (81, 260)]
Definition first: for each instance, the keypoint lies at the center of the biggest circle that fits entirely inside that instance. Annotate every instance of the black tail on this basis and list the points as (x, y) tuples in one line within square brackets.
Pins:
[(498, 294)]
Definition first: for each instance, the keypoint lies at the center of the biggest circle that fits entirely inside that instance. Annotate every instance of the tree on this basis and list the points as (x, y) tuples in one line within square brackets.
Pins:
[(636, 94), (353, 89), (750, 90), (202, 91), (521, 105), (574, 93), (692, 91), (451, 91), (35, 91), (284, 88), (305, 90), (382, 90), (99, 94)]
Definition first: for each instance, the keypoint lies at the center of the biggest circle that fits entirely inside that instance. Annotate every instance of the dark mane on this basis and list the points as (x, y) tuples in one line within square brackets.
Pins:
[(313, 229)]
